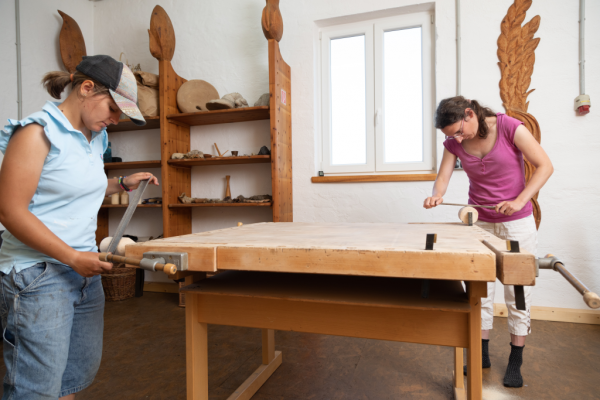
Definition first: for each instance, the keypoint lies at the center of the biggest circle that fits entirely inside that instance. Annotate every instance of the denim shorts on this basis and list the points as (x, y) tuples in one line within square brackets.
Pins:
[(53, 320)]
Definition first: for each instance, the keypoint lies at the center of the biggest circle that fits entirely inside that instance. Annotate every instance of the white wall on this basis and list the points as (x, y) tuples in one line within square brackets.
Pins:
[(222, 42), (40, 52)]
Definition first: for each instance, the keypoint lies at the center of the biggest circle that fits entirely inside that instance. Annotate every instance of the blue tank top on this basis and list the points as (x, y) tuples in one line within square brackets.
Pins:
[(70, 191)]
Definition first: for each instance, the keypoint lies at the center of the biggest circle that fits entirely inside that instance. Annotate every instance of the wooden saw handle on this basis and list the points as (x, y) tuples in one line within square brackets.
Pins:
[(590, 298), (168, 269)]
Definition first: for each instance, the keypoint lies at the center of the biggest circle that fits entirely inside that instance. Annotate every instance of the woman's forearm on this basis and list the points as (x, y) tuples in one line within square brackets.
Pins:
[(26, 227), (537, 181), (113, 186)]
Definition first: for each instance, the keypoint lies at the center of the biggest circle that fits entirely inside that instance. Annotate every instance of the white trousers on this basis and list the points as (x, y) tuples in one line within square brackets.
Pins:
[(519, 322)]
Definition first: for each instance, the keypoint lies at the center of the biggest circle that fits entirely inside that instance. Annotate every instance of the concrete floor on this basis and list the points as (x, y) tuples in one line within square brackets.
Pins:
[(144, 358)]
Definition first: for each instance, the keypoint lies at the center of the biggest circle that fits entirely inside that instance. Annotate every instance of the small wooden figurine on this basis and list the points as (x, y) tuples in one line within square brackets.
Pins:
[(228, 190), (272, 22)]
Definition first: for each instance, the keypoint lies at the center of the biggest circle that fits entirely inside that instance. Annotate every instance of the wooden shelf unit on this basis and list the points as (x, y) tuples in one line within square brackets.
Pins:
[(199, 162), (125, 125), (220, 116), (220, 205), (126, 205), (132, 165), (175, 136)]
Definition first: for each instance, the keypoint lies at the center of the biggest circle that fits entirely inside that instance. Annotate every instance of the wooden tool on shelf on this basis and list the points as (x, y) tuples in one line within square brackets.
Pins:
[(551, 262), (228, 190), (218, 151), (144, 263)]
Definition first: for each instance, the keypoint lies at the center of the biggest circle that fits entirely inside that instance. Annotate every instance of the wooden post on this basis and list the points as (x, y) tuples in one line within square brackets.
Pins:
[(196, 352), (459, 379), (268, 345), (475, 291)]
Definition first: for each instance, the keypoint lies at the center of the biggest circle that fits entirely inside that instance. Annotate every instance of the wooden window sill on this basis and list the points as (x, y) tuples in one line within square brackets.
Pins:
[(374, 178)]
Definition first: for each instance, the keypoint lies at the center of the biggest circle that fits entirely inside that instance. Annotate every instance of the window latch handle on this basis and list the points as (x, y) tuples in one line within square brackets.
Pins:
[(378, 117)]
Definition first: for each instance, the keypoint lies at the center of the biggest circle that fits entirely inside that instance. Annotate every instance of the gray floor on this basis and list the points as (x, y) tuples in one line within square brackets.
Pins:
[(144, 358)]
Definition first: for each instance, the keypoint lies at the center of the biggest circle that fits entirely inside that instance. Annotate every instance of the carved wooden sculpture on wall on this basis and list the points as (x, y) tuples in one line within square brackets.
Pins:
[(516, 53), (272, 22), (72, 44)]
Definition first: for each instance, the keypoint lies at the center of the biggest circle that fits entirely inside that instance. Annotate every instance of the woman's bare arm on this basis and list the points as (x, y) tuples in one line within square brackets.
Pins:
[(21, 170)]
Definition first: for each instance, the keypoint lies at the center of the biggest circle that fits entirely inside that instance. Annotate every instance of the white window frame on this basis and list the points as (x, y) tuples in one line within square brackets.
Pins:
[(374, 31), (349, 30)]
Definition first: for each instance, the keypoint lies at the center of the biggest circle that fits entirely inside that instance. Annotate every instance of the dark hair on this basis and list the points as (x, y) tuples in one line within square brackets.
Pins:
[(452, 110), (55, 83)]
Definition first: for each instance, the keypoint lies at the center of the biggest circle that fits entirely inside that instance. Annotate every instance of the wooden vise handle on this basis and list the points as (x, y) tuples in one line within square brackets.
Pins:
[(590, 298), (168, 269)]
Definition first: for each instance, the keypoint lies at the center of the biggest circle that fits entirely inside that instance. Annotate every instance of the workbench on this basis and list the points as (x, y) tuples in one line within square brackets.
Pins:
[(363, 280)]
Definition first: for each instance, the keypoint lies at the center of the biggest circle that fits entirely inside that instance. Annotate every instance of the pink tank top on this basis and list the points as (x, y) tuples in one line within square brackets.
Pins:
[(497, 177)]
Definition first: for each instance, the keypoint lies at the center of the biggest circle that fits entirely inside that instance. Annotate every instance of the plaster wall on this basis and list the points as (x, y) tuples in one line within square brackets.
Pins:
[(40, 52)]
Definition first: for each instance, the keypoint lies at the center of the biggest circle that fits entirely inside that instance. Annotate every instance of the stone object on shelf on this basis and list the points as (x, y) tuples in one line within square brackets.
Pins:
[(147, 90), (194, 154), (152, 200), (193, 95), (177, 156), (264, 151), (263, 100), (231, 100), (263, 198)]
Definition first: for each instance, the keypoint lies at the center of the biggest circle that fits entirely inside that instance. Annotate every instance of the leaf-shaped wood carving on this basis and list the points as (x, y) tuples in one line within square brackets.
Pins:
[(161, 34), (72, 44), (272, 22), (516, 56)]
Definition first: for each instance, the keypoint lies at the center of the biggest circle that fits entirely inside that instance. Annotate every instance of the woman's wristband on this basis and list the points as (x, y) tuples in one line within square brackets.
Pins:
[(122, 184)]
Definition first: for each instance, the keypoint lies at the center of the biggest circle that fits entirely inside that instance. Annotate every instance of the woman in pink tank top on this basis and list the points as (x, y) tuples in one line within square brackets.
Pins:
[(491, 147)]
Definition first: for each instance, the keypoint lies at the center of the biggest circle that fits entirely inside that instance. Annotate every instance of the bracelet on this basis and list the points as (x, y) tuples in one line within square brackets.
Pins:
[(123, 185)]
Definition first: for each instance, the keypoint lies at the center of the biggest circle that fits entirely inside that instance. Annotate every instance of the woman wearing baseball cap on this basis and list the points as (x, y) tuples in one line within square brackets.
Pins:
[(52, 185)]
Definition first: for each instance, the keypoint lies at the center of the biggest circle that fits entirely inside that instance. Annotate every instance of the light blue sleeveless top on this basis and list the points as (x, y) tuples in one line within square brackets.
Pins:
[(70, 191)]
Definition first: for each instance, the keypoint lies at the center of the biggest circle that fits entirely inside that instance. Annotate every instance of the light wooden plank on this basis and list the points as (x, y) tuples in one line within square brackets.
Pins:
[(280, 88), (573, 315), (474, 373), (513, 268), (459, 379), (441, 328), (257, 379), (378, 249), (219, 116), (196, 345), (373, 178)]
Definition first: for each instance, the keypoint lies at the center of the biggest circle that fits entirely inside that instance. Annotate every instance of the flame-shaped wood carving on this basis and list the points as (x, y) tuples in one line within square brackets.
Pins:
[(161, 34), (516, 55), (272, 22), (72, 44)]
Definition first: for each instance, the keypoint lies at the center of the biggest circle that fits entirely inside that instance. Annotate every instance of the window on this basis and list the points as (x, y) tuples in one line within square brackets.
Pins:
[(377, 94)]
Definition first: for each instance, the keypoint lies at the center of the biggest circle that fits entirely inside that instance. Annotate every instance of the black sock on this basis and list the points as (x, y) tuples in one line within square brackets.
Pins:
[(485, 356), (513, 377)]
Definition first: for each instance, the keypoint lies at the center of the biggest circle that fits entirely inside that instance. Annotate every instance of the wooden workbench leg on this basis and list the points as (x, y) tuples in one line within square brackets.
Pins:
[(271, 361), (268, 345), (459, 378), (196, 346), (475, 291)]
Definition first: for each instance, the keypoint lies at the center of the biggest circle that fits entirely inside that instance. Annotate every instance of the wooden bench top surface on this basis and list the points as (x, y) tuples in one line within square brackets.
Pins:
[(374, 249)]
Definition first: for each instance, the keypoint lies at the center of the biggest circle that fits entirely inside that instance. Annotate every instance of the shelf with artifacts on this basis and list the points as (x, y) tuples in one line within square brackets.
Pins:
[(126, 125), (132, 165)]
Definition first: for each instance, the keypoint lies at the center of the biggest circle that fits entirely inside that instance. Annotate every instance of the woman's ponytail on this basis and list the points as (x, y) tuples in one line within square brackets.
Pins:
[(55, 83)]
